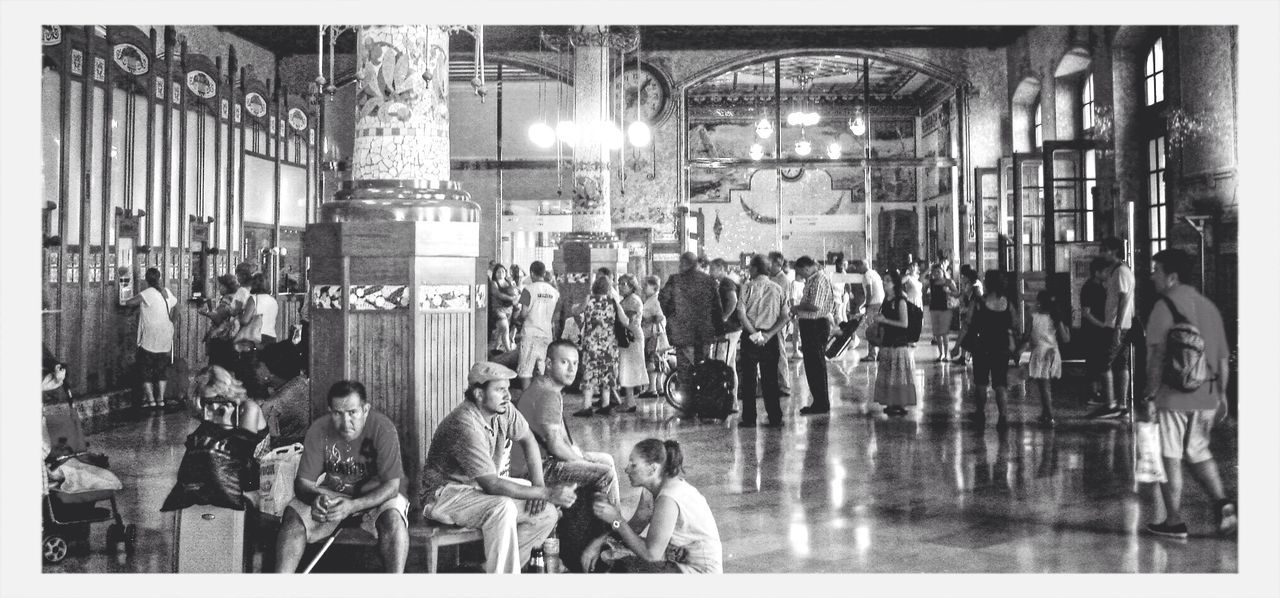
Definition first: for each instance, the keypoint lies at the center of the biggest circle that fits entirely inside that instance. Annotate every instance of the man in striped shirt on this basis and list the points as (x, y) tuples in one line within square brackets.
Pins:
[(763, 314), (814, 314)]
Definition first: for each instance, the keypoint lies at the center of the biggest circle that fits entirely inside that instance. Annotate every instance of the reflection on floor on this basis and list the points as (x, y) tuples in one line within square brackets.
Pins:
[(853, 491)]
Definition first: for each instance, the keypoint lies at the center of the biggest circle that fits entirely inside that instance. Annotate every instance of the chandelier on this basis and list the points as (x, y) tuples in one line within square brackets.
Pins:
[(607, 132)]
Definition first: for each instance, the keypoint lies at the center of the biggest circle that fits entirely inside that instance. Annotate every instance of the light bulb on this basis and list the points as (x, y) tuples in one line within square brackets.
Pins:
[(803, 147), (567, 132), (542, 135), (757, 151), (764, 128), (810, 119), (638, 134), (794, 119), (833, 151), (857, 126)]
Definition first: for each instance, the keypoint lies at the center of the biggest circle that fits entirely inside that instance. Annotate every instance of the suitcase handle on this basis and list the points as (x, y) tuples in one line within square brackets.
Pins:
[(208, 516)]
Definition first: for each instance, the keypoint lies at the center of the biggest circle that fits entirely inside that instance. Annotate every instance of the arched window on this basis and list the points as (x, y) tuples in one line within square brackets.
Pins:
[(1153, 73), (1086, 104), (1037, 136)]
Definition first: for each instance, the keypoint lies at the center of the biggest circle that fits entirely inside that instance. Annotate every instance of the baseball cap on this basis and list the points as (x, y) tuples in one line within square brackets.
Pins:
[(487, 371)]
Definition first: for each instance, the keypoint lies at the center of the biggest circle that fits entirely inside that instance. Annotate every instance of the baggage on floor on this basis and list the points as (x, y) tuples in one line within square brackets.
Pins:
[(713, 385), (846, 338), (209, 539)]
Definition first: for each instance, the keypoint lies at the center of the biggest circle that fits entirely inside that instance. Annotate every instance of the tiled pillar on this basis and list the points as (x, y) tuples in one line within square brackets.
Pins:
[(402, 120), (592, 244), (396, 299)]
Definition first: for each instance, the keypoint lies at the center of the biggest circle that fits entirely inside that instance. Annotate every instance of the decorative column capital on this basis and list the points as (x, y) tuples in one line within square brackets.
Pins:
[(626, 39)]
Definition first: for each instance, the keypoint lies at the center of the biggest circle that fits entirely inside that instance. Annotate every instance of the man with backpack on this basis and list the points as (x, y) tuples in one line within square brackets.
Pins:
[(814, 314), (1187, 373), (691, 302)]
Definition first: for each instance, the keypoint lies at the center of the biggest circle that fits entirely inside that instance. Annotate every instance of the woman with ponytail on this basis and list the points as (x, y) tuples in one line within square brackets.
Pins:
[(682, 535)]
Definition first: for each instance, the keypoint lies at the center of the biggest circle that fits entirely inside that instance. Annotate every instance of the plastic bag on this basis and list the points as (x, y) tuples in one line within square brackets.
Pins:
[(1150, 467), (79, 476), (278, 469), (211, 469)]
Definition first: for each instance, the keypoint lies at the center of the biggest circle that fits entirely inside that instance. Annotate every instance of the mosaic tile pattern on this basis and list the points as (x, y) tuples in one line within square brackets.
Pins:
[(326, 296), (402, 119), (444, 297), (379, 297)]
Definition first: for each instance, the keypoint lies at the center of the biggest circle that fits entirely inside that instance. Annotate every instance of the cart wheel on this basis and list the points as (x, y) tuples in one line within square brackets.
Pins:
[(675, 397), (130, 538), (115, 534), (54, 548)]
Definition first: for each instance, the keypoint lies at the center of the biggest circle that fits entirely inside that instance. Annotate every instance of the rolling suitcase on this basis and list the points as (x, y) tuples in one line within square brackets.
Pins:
[(713, 385), (845, 340)]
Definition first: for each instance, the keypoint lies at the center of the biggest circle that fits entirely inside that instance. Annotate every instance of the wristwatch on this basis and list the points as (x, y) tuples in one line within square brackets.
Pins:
[(617, 523)]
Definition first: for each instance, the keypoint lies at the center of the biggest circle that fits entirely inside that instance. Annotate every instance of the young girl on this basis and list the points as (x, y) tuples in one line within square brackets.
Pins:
[(1046, 331)]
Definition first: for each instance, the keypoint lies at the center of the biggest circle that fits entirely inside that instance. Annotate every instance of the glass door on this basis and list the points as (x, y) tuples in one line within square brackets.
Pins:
[(1028, 229), (1072, 176), (987, 217)]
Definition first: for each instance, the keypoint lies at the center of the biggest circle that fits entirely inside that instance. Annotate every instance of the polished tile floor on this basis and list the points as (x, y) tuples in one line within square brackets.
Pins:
[(851, 492)]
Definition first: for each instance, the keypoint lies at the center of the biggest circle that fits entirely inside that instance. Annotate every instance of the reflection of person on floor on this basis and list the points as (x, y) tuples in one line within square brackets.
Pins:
[(563, 462), (358, 451), (681, 532), (466, 480)]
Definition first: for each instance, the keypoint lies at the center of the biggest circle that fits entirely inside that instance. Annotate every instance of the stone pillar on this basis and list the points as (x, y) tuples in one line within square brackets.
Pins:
[(395, 299), (592, 243)]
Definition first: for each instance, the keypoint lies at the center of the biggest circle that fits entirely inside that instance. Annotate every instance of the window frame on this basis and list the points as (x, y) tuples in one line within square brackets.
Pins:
[(1037, 124), (1157, 204), (1088, 116), (1153, 71)]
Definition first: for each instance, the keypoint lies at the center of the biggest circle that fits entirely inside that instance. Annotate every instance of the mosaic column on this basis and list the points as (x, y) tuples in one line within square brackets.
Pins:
[(397, 298), (402, 109), (591, 244)]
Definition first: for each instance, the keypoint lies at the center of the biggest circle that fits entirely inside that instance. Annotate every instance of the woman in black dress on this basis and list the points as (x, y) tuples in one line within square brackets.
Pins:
[(990, 336)]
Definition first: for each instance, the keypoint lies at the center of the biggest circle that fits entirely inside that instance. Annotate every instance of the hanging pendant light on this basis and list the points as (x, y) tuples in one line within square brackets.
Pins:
[(857, 124), (757, 151), (764, 128), (803, 147), (833, 150), (638, 134), (542, 135)]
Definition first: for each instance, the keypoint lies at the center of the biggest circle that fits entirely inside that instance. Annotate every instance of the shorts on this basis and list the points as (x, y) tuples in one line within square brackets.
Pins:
[(991, 370), (1185, 433), (1117, 352), (151, 366), (533, 355), (319, 530)]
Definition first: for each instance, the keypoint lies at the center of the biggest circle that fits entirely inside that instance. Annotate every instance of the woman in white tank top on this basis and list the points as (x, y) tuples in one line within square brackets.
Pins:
[(680, 534), (265, 305)]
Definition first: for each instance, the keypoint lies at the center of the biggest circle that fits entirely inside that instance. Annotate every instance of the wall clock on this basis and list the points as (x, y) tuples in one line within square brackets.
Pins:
[(649, 87), (792, 174)]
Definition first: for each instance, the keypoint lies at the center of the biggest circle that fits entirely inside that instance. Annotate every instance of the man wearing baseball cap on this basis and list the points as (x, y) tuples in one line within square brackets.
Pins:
[(466, 480)]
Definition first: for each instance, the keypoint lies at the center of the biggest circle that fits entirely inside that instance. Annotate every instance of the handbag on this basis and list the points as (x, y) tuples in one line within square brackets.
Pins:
[(875, 334), (624, 335), (1149, 468), (249, 336)]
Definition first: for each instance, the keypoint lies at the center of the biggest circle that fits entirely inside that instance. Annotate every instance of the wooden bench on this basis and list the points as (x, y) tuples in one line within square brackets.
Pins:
[(432, 535)]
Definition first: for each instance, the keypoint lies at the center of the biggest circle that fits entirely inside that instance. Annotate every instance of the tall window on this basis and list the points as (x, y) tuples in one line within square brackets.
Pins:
[(1086, 104), (1037, 137), (1090, 186), (1155, 194), (1153, 73)]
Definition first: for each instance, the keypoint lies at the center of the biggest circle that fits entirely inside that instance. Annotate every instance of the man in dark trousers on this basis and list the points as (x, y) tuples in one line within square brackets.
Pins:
[(814, 315), (691, 302), (763, 312)]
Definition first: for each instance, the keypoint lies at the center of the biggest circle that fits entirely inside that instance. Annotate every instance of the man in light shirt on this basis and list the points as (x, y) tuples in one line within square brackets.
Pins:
[(814, 314), (538, 303), (1120, 286), (763, 314), (874, 287), (782, 277)]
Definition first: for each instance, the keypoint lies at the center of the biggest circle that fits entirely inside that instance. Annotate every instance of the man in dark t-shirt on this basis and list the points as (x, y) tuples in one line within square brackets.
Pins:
[(1093, 313), (358, 452)]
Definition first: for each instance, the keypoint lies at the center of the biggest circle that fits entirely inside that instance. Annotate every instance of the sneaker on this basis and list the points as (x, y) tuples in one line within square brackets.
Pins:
[(584, 412), (746, 424), (811, 410), (1105, 412), (1226, 517), (605, 410), (1168, 531), (648, 394)]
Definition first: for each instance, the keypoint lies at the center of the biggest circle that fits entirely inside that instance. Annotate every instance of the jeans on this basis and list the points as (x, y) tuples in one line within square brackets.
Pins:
[(757, 363), (578, 525), (510, 531), (813, 346)]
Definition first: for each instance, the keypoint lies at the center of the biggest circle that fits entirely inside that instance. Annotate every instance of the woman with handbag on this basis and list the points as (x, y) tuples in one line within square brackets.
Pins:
[(601, 315), (157, 311), (680, 533), (224, 317), (253, 333), (895, 373), (631, 363), (990, 336)]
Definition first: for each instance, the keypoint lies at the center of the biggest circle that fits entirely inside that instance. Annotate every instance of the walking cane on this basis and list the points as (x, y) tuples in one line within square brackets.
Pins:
[(329, 541)]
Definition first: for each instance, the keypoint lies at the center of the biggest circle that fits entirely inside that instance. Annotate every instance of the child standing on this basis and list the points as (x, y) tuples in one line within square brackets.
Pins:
[(1045, 365)]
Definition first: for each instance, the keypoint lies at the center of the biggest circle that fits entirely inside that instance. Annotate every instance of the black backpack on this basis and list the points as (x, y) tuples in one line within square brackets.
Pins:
[(915, 322), (713, 388), (1185, 368)]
